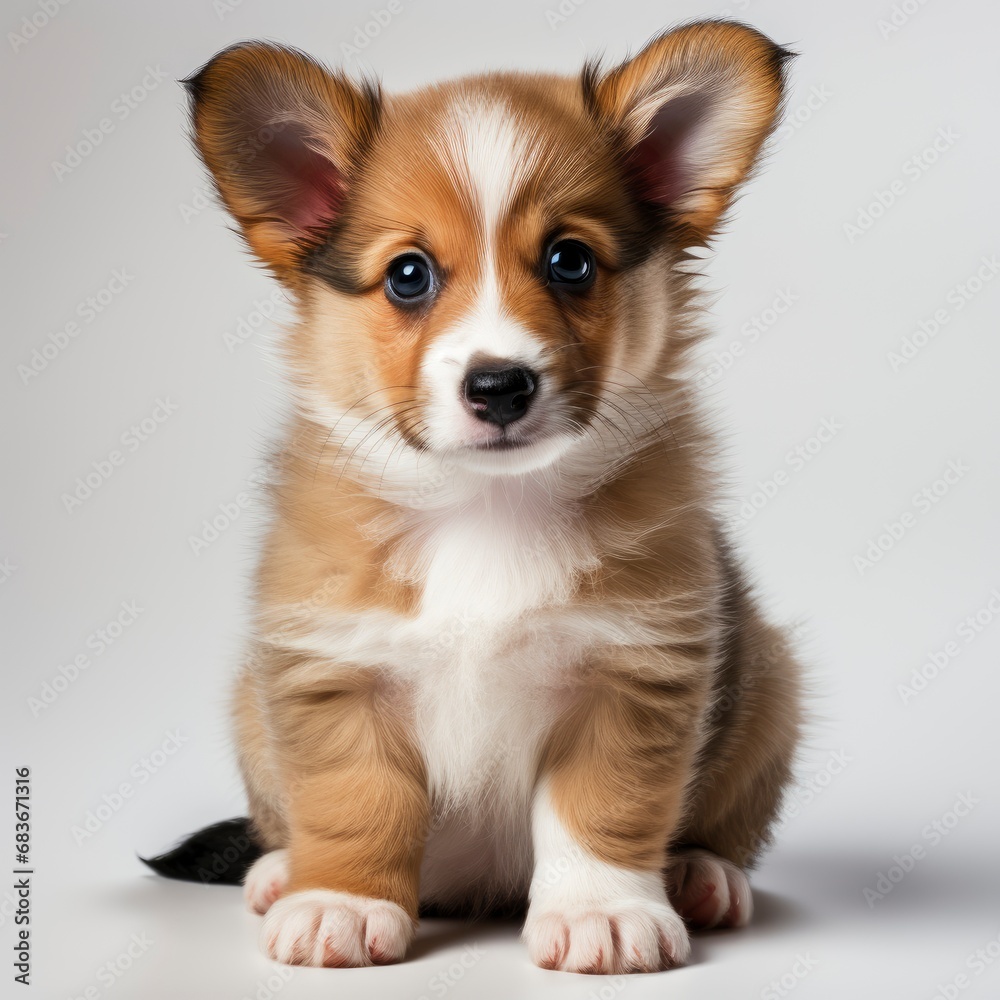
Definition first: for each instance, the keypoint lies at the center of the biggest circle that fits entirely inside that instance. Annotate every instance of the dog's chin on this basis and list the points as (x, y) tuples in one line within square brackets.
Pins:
[(512, 456)]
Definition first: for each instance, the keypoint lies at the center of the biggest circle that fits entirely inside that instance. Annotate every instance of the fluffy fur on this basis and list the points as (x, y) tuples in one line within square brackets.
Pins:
[(497, 667)]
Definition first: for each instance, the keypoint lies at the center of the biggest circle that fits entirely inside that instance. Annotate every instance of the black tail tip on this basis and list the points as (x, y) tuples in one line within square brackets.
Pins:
[(221, 853)]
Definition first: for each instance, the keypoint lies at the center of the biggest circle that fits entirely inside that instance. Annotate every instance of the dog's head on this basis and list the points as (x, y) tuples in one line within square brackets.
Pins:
[(484, 268)]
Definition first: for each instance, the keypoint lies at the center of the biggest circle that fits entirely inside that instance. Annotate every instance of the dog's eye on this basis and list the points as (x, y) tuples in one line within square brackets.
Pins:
[(571, 263), (409, 278)]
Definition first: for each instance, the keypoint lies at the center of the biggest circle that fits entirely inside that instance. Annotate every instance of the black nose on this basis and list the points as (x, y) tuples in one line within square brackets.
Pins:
[(500, 395)]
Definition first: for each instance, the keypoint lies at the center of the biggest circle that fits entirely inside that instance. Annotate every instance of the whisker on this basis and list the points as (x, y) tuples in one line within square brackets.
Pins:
[(387, 406), (326, 443), (648, 391), (374, 430), (650, 426), (597, 413)]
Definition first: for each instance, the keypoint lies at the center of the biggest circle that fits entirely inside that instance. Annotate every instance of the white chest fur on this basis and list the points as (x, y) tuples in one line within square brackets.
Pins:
[(485, 666), (492, 661), (493, 669)]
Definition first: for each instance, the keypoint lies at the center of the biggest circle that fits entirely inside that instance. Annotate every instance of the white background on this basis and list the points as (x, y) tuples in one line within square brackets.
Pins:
[(880, 97)]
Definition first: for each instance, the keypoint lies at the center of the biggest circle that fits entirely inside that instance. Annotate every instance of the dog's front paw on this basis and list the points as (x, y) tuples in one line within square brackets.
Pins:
[(335, 929), (710, 891), (634, 936), (265, 881)]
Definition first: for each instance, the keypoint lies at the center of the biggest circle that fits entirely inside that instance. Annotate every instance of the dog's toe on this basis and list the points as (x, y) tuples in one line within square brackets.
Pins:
[(709, 891)]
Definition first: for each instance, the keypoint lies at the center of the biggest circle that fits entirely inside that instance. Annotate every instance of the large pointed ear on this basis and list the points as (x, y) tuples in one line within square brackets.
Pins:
[(691, 112), (280, 135)]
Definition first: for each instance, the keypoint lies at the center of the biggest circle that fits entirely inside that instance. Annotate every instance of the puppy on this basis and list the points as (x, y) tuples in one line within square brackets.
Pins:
[(502, 655)]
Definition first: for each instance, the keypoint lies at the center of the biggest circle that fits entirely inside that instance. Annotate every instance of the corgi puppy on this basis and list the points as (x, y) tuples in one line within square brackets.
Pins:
[(502, 655)]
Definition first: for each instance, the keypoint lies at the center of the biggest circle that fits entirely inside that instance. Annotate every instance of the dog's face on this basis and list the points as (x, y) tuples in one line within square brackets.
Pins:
[(483, 267)]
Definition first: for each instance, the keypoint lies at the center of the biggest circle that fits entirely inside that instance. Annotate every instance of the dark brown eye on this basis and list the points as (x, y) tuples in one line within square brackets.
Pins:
[(571, 263)]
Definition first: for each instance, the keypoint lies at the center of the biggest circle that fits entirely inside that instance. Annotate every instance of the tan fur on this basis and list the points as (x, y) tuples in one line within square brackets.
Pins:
[(238, 114), (686, 740), (339, 757), (618, 763), (677, 61)]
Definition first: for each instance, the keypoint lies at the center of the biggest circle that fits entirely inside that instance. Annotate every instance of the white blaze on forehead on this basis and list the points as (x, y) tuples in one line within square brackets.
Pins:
[(489, 155)]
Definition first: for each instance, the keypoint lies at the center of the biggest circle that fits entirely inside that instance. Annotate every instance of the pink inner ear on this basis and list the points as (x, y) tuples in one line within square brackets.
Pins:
[(308, 190), (658, 162), (657, 174)]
